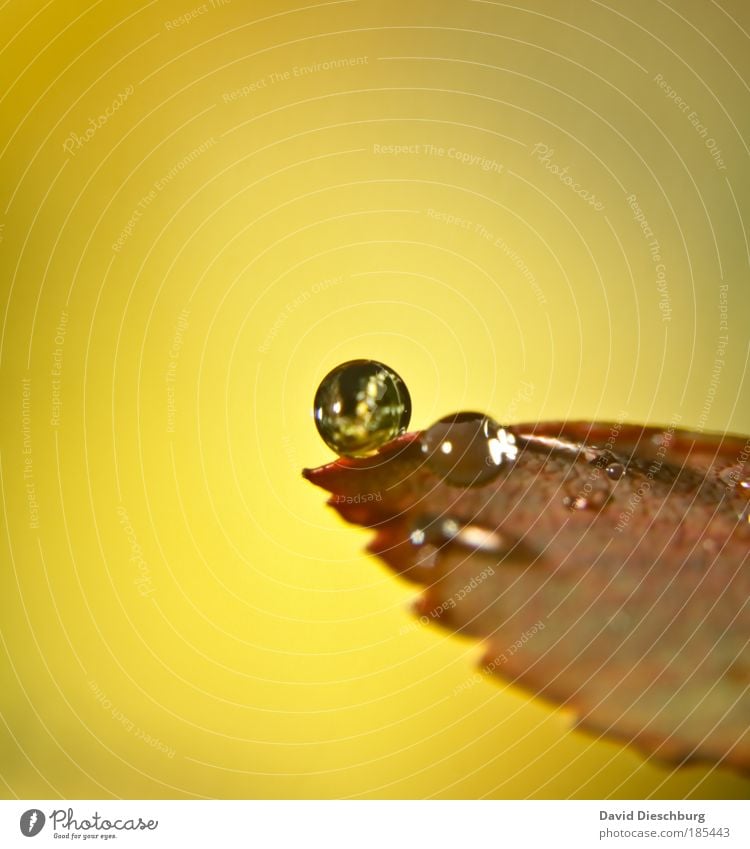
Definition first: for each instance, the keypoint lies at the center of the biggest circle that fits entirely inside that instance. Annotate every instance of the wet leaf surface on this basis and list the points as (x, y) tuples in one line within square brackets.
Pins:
[(606, 568)]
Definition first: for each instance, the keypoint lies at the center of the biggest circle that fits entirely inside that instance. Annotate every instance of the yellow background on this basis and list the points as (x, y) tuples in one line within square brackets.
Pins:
[(271, 237)]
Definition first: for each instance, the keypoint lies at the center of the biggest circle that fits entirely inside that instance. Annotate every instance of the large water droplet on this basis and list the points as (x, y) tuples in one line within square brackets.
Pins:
[(467, 449), (359, 406)]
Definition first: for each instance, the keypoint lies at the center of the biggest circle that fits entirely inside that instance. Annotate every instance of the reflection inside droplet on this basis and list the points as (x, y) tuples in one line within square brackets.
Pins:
[(359, 406), (417, 536), (479, 538)]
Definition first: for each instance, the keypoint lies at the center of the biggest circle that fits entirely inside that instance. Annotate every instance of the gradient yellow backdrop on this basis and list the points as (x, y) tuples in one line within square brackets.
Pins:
[(535, 209)]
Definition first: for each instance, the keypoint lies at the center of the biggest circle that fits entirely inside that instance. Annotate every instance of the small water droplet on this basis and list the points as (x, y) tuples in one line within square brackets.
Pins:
[(467, 449), (427, 538), (587, 498), (437, 531), (433, 530), (606, 460), (615, 471), (575, 502), (359, 406)]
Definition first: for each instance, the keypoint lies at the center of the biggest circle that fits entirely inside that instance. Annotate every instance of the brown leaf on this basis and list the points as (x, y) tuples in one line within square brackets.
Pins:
[(624, 598)]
